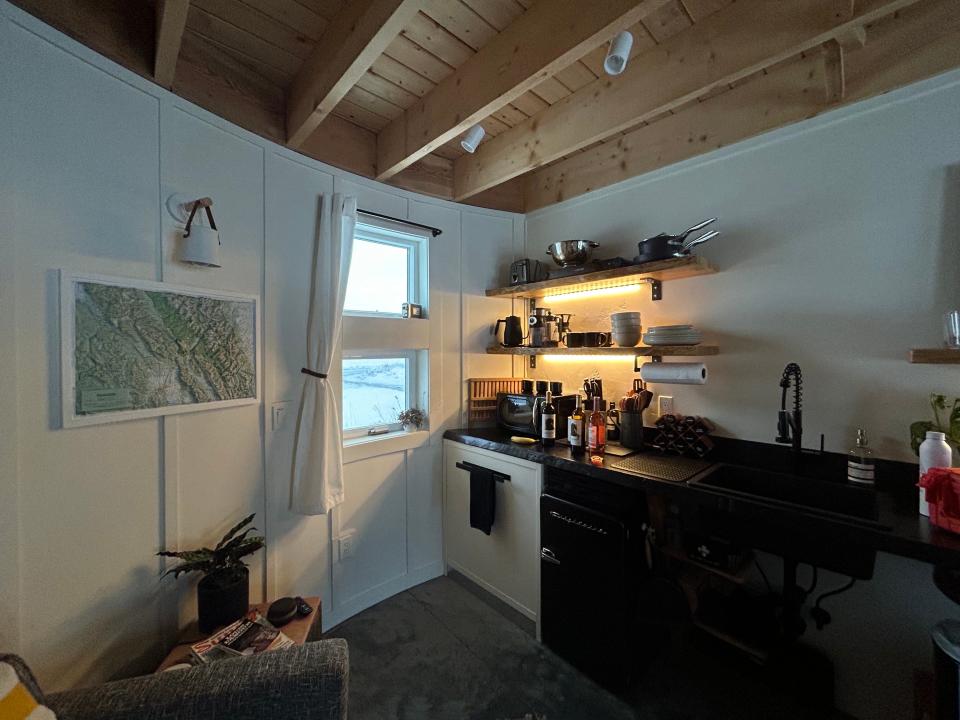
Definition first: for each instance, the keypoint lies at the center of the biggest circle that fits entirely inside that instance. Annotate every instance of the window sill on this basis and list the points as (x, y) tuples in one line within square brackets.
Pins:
[(365, 447)]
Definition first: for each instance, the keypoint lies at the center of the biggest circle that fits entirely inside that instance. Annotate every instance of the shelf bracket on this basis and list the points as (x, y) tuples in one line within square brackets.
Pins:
[(652, 358), (656, 289)]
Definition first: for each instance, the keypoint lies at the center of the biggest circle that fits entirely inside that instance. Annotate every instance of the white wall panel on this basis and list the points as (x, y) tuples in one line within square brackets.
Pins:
[(375, 511), (9, 488), (80, 189), (299, 549), (488, 249), (219, 456)]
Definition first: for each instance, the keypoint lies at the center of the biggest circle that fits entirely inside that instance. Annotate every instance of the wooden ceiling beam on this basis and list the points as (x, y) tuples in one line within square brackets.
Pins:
[(912, 45), (724, 48), (355, 37), (550, 36), (171, 22)]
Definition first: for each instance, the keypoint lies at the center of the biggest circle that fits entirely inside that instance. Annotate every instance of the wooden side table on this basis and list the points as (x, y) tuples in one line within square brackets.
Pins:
[(301, 630)]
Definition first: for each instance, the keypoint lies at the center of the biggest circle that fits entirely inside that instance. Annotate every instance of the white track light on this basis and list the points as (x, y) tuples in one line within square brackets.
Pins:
[(618, 53), (472, 138)]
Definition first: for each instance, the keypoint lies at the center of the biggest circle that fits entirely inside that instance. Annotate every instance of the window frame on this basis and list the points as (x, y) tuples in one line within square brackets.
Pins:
[(416, 248), (411, 382)]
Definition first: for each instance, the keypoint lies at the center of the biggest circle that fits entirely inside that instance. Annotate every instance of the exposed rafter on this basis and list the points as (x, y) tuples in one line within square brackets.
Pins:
[(544, 40), (914, 44), (171, 21), (723, 49), (355, 37)]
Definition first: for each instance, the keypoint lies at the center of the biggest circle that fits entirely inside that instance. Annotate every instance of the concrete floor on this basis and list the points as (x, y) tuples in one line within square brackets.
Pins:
[(445, 649)]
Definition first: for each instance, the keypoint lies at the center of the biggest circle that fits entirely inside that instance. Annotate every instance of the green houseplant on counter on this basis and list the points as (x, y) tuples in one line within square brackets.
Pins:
[(949, 425), (223, 594)]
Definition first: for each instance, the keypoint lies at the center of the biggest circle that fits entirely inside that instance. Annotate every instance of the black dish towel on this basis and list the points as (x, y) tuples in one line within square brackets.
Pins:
[(483, 499)]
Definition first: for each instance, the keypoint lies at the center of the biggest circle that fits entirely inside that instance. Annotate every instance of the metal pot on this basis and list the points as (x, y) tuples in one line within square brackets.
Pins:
[(571, 252), (663, 246)]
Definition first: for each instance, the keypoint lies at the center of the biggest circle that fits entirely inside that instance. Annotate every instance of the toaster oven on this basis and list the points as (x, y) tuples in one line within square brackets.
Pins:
[(520, 414)]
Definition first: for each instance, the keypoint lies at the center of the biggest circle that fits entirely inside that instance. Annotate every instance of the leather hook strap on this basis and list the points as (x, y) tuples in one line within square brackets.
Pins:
[(312, 373), (205, 204)]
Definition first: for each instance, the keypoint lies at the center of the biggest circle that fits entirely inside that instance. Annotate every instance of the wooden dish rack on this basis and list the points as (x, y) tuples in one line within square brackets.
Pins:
[(482, 399)]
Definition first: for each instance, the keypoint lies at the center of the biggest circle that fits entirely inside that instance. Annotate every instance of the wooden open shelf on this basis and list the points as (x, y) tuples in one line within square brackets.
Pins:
[(941, 356), (638, 351), (670, 269)]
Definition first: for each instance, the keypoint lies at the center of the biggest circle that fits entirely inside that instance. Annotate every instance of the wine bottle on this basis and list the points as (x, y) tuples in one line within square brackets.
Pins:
[(576, 429), (597, 431), (548, 422)]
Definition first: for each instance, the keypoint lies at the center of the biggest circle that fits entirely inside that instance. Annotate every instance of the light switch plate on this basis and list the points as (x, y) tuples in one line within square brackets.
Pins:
[(278, 415)]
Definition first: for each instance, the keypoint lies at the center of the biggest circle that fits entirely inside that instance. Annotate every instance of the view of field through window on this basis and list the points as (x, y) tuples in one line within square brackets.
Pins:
[(374, 391)]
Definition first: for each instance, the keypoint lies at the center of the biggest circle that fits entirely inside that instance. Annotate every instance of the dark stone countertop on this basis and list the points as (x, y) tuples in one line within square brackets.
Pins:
[(900, 529)]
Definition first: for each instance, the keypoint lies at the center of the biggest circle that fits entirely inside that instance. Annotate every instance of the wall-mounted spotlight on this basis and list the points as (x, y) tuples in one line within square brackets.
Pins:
[(200, 244), (473, 137), (618, 53)]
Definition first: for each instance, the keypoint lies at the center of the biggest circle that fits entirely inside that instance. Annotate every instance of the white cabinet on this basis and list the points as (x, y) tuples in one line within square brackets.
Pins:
[(506, 563)]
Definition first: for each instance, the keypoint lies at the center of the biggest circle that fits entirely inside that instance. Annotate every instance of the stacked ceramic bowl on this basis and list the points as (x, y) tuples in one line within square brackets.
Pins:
[(626, 328), (673, 335)]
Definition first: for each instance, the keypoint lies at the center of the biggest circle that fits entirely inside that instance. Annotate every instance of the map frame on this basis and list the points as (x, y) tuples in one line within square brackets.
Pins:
[(68, 381)]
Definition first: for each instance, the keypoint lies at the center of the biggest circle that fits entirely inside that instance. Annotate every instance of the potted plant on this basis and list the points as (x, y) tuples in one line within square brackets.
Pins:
[(223, 594), (950, 427), (411, 419)]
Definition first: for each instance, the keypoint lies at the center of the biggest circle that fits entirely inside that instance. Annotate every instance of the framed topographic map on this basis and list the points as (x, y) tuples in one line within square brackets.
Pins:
[(133, 349)]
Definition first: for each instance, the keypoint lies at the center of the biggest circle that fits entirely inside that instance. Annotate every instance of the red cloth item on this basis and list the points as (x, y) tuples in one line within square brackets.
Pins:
[(943, 495)]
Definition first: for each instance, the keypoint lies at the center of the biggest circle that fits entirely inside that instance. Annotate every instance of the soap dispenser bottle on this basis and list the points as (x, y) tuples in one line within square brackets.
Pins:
[(860, 465)]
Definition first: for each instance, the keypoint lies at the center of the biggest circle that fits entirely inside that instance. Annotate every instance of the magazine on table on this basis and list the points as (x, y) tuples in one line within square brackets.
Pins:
[(250, 635)]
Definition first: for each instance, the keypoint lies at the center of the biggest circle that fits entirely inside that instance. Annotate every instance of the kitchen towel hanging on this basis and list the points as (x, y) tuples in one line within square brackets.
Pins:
[(674, 373), (317, 478), (483, 498)]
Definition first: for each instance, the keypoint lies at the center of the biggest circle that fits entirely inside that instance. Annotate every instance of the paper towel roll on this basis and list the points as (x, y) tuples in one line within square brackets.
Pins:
[(679, 373)]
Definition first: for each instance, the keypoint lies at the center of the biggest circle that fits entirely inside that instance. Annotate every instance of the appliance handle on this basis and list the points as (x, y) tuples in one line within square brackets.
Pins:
[(548, 555), (470, 467)]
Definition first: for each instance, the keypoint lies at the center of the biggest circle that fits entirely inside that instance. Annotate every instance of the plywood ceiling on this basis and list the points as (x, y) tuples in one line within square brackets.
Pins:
[(249, 60)]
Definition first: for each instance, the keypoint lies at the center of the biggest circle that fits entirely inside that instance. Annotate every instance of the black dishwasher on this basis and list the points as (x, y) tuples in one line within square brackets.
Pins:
[(592, 563)]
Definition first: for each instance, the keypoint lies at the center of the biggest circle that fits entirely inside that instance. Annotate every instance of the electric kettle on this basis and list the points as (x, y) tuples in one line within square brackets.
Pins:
[(512, 331)]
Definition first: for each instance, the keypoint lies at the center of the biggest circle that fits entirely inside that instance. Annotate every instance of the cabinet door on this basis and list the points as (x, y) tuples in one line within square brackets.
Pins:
[(507, 562)]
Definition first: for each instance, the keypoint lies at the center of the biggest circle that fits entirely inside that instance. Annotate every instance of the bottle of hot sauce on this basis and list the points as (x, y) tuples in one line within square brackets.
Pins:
[(597, 429)]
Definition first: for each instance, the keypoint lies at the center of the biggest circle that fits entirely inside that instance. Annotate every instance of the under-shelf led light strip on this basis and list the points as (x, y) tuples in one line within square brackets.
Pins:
[(596, 292)]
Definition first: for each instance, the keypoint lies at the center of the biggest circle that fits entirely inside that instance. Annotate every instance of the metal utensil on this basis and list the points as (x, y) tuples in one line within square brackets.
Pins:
[(566, 253), (685, 248), (679, 239)]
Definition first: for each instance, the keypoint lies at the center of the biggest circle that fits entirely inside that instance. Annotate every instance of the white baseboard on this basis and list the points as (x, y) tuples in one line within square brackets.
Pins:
[(518, 606), (379, 593)]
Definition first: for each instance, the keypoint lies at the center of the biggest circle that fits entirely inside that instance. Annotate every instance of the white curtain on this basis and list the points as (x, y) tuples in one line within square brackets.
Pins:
[(317, 484)]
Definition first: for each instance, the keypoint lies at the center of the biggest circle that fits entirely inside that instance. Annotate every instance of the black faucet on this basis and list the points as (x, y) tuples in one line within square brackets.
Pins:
[(790, 423)]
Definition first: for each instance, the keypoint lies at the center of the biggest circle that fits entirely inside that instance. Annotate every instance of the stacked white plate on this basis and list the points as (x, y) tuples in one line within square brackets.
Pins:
[(673, 335), (626, 328)]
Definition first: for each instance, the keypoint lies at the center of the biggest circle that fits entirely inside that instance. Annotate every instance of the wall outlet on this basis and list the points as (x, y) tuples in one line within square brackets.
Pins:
[(347, 547), (665, 405)]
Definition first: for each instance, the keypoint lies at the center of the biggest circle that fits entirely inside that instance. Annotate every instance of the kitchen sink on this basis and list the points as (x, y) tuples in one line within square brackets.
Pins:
[(801, 493), (801, 518)]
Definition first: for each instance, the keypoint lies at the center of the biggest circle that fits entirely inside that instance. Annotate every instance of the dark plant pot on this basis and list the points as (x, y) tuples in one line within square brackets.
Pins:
[(222, 598)]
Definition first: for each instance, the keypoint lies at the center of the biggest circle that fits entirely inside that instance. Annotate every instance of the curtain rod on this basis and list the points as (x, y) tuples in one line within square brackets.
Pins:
[(435, 231)]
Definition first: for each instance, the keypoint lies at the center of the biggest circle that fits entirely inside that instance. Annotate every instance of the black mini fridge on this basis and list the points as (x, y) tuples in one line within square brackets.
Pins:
[(591, 564)]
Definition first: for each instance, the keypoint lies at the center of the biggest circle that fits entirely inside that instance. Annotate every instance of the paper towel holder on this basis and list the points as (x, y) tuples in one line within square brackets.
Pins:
[(652, 358)]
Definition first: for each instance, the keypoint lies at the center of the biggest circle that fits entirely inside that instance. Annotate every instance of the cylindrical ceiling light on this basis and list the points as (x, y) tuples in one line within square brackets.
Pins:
[(618, 53), (472, 138)]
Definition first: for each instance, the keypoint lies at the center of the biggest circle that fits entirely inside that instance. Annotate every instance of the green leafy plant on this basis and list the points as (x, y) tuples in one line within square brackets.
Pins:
[(224, 559), (950, 428), (412, 416)]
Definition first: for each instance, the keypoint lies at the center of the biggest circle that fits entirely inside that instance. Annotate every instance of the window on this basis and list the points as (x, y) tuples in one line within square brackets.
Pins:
[(385, 363), (385, 272), (377, 386)]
